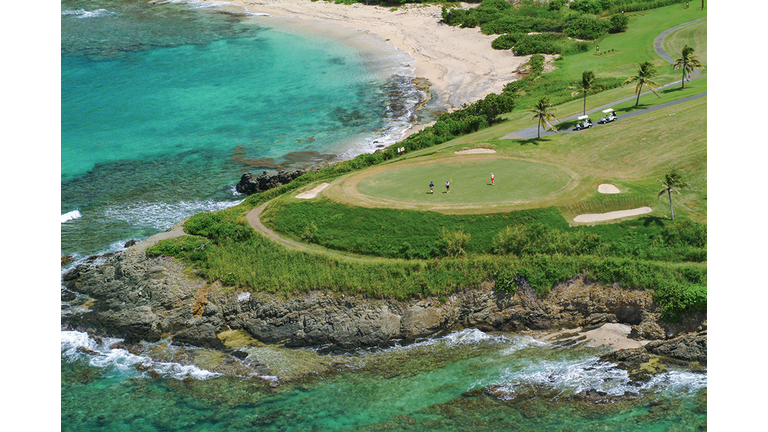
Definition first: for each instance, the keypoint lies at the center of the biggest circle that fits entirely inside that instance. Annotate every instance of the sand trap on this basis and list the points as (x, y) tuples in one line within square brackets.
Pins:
[(476, 151), (313, 193), (608, 189), (611, 215)]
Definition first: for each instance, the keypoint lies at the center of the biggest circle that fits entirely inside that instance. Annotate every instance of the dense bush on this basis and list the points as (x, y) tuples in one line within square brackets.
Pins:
[(586, 27), (619, 23), (593, 7), (621, 6), (677, 299), (685, 233), (217, 227), (545, 43), (453, 243)]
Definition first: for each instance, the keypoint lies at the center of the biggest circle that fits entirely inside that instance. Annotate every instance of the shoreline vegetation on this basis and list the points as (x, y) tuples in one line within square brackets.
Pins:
[(222, 247)]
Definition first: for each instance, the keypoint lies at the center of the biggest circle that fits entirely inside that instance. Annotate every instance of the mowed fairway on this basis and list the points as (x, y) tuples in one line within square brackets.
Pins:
[(407, 185)]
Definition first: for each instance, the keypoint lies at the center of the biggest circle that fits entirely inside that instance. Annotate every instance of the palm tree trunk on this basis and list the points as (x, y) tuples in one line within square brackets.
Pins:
[(538, 129), (637, 102), (671, 212), (585, 103), (685, 67)]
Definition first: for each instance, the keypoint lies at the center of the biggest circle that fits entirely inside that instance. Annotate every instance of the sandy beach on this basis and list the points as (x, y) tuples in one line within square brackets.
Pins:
[(460, 63)]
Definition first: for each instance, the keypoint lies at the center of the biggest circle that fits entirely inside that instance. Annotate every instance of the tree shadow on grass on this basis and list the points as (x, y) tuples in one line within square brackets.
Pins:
[(534, 141), (654, 220)]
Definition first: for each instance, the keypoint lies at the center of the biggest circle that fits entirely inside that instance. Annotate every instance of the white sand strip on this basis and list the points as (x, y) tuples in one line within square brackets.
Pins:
[(608, 189), (313, 193), (597, 217), (476, 151)]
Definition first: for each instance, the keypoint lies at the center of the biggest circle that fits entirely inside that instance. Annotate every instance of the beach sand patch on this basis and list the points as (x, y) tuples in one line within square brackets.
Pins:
[(608, 189), (476, 151), (313, 192), (614, 335), (597, 217)]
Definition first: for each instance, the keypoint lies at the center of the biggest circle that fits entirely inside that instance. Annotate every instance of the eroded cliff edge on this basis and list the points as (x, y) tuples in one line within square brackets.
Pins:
[(136, 297)]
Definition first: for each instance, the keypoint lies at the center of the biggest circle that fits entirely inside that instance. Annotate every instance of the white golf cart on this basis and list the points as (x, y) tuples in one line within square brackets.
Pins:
[(610, 115), (584, 122)]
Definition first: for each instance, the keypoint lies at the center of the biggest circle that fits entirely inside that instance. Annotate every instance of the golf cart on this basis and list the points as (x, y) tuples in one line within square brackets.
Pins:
[(610, 115), (585, 123)]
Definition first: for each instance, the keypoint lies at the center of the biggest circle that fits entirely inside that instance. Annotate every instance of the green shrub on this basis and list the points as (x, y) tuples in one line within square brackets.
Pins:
[(676, 300), (453, 243), (586, 27), (186, 247), (217, 227), (685, 233), (619, 23), (506, 281)]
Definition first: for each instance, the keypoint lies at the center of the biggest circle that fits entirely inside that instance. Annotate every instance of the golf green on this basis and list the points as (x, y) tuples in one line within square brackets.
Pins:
[(516, 181)]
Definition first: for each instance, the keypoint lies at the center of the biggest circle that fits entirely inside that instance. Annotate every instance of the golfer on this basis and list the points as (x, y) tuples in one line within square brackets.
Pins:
[(448, 186), (431, 187), (492, 180)]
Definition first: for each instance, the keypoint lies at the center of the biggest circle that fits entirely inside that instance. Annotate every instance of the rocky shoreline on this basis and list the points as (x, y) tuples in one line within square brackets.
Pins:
[(140, 298)]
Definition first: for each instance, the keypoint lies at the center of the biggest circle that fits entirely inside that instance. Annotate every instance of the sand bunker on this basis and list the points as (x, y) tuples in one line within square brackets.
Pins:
[(611, 215), (476, 151), (608, 189), (313, 192)]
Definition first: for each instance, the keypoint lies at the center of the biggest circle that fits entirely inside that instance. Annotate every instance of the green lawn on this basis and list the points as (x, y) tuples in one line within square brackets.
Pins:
[(694, 35), (516, 181)]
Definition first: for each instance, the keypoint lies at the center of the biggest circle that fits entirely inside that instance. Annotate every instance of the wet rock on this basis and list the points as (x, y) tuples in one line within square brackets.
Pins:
[(688, 347), (250, 183)]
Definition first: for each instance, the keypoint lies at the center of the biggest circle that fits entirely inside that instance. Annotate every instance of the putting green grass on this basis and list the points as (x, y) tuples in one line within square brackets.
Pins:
[(517, 181)]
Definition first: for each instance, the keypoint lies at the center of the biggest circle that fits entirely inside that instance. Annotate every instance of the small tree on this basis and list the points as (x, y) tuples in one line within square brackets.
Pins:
[(687, 62), (671, 183), (586, 84), (645, 72), (541, 111), (619, 23)]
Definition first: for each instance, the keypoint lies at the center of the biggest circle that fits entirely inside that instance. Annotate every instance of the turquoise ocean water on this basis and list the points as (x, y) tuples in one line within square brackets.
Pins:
[(164, 106)]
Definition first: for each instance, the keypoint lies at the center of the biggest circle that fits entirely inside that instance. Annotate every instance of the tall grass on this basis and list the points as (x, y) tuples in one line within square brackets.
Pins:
[(411, 234)]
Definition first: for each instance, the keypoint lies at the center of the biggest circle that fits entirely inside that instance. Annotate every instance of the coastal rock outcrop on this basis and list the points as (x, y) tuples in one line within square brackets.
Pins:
[(253, 183), (657, 356), (145, 298)]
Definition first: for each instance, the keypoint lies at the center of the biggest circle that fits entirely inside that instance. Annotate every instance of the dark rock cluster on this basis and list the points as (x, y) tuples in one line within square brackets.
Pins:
[(254, 183)]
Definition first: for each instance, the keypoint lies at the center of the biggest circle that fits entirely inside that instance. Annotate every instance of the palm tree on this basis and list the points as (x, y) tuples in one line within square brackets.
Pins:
[(688, 62), (671, 183), (645, 72), (541, 111), (586, 84)]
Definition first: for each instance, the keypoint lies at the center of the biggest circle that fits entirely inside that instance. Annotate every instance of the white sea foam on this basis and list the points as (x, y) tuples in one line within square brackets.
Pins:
[(82, 13), (162, 216), (74, 214), (197, 4), (593, 375), (677, 382), (80, 346)]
